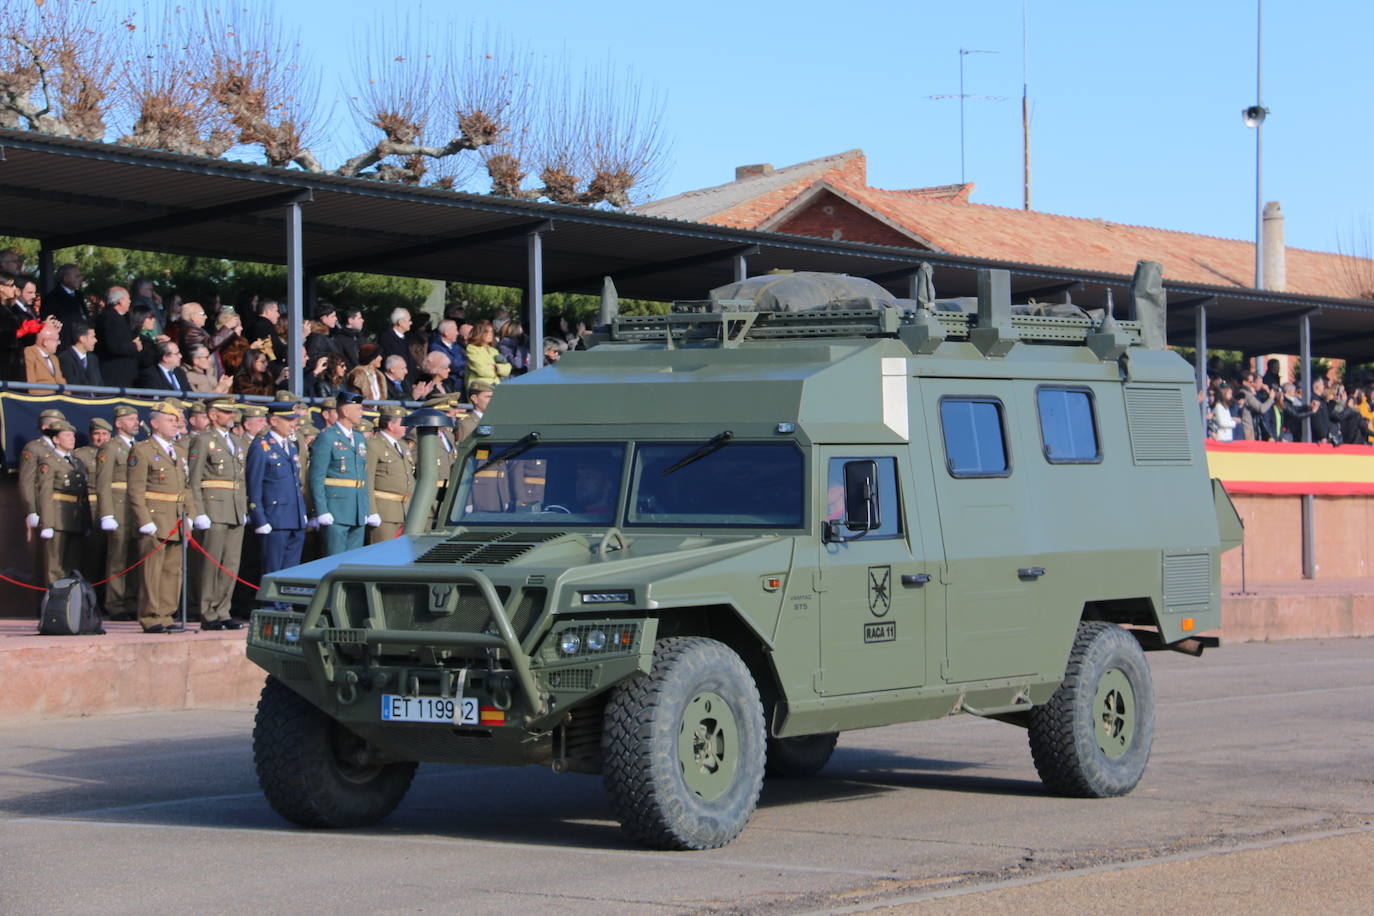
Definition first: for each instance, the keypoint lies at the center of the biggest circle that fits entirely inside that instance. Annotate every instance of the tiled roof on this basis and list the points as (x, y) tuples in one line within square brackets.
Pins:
[(944, 218)]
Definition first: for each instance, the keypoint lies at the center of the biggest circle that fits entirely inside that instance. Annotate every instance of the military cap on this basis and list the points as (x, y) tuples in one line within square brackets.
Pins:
[(52, 414), (228, 405), (124, 410), (308, 429), (365, 426), (171, 407), (439, 400), (278, 408), (253, 410), (197, 407), (101, 423), (349, 397), (476, 387), (284, 396), (391, 412), (329, 404), (59, 426)]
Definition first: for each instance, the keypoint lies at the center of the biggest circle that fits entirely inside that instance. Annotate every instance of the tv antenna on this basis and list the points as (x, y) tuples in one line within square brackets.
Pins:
[(962, 96)]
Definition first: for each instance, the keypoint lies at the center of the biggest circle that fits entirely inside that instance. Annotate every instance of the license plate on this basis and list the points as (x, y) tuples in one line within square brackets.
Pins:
[(445, 711)]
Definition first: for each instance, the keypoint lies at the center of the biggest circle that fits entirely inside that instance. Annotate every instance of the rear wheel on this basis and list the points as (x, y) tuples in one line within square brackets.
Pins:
[(317, 773), (1092, 739), (800, 757), (683, 748)]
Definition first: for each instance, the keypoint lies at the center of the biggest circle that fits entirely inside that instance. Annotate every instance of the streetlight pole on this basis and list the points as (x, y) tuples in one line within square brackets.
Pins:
[(1254, 117)]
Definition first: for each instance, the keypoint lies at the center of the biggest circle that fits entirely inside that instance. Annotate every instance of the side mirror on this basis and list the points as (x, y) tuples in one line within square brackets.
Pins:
[(861, 495)]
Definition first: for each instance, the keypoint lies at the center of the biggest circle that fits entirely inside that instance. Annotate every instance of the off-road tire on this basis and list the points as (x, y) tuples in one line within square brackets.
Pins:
[(649, 730), (1105, 703), (300, 771), (800, 757)]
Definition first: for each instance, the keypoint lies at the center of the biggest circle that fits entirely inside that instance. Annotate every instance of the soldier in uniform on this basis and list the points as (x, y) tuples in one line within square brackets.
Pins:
[(253, 423), (112, 504), (99, 433), (338, 478), (197, 418), (217, 459), (448, 441), (479, 394), (35, 451), (276, 507), (159, 496), (390, 476), (64, 514)]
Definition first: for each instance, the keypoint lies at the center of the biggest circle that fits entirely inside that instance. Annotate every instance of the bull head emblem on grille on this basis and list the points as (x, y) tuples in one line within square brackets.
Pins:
[(438, 598)]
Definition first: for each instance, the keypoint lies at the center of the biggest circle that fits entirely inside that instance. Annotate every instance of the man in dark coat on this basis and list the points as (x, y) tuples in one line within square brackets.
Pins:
[(166, 374), (322, 343), (64, 302), (79, 365), (394, 342), (114, 340), (348, 336), (264, 327)]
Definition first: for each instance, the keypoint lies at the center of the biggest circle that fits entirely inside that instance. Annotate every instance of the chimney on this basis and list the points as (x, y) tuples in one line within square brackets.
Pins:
[(1275, 266), (751, 171)]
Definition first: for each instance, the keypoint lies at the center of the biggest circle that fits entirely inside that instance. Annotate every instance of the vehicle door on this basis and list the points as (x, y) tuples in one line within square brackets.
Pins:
[(872, 624)]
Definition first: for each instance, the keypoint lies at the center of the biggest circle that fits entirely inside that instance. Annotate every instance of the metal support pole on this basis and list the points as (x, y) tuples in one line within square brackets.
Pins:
[(295, 299), (1259, 145), (741, 268), (46, 278), (1309, 533), (535, 331), (185, 571), (1200, 357)]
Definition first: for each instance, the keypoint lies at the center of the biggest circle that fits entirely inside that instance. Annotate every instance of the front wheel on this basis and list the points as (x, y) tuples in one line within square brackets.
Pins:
[(317, 773), (683, 749), (1092, 739)]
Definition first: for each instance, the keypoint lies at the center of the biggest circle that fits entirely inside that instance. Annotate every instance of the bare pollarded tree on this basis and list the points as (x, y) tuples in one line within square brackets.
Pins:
[(1356, 251), (193, 78)]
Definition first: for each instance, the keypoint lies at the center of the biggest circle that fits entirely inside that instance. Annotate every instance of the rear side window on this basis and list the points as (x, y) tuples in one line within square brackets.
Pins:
[(975, 443), (1068, 429)]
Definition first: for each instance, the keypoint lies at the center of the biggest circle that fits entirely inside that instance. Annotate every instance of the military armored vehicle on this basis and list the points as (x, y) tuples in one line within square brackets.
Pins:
[(697, 552)]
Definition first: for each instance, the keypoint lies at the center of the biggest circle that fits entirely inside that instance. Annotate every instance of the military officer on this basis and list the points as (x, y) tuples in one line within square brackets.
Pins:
[(98, 433), (217, 459), (64, 514), (448, 441), (338, 478), (390, 476), (479, 395), (252, 423), (276, 507), (159, 496), (35, 451), (197, 418), (112, 505)]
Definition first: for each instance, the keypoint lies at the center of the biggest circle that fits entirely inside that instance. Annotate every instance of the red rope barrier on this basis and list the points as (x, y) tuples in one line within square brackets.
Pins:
[(139, 562), (32, 588), (205, 553)]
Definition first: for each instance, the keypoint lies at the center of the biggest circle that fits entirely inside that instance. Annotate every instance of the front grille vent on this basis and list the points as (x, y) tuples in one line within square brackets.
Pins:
[(487, 548)]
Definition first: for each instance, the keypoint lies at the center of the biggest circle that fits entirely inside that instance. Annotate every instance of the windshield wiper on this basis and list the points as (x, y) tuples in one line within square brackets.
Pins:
[(717, 442), (524, 444)]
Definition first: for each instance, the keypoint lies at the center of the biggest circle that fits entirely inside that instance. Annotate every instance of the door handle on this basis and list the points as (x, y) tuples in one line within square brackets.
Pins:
[(917, 580), (1030, 572)]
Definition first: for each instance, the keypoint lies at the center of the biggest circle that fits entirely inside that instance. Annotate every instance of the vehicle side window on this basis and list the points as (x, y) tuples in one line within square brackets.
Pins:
[(889, 502), (975, 443), (1068, 428)]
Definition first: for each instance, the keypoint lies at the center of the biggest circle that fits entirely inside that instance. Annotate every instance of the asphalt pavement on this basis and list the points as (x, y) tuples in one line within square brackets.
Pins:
[(1260, 785)]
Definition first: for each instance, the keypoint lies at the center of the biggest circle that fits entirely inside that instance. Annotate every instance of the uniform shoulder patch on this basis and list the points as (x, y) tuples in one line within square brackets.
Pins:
[(100, 457), (265, 446), (43, 468), (26, 456), (133, 460)]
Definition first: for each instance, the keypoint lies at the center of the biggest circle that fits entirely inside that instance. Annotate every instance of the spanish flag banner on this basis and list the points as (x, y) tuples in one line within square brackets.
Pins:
[(1292, 468)]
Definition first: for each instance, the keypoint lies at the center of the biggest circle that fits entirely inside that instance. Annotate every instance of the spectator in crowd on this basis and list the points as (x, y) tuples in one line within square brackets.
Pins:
[(26, 313), (40, 359), (485, 362), (228, 343), (202, 372), (1272, 379), (417, 339), (146, 337), (1326, 424), (9, 323), (348, 336), (1294, 412), (264, 327), (332, 379), (80, 365), (514, 346), (320, 341), (366, 378), (146, 295), (396, 387), (447, 342), (191, 331), (437, 372), (64, 302), (115, 341), (11, 262), (254, 376), (167, 374), (1355, 420), (553, 350), (394, 343), (1223, 419), (1257, 401)]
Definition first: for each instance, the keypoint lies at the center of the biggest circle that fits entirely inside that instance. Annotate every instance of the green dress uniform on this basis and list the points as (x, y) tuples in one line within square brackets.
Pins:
[(93, 559), (338, 486), (159, 492), (112, 500), (390, 481), (64, 508), (217, 492)]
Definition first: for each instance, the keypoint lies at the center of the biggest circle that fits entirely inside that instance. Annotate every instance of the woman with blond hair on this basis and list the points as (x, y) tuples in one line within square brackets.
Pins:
[(485, 362)]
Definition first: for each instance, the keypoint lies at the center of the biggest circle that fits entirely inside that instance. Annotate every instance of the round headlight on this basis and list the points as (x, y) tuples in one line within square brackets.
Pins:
[(596, 641), (569, 643)]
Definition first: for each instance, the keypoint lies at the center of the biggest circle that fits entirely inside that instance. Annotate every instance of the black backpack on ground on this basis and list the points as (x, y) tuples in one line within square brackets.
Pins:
[(70, 608)]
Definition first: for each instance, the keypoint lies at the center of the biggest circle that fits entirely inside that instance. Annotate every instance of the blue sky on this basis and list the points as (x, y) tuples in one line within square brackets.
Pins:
[(1135, 105)]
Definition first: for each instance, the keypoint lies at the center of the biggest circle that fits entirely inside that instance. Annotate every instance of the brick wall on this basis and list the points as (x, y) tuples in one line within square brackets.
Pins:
[(830, 217)]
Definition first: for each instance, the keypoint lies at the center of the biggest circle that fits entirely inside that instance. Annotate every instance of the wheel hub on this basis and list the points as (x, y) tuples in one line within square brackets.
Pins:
[(1114, 713), (708, 746)]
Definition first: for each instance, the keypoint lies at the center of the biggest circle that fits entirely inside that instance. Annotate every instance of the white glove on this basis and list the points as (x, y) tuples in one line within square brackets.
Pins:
[(31, 519), (202, 523), (325, 520), (150, 528), (373, 520), (263, 529), (245, 519), (108, 523), (46, 534)]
